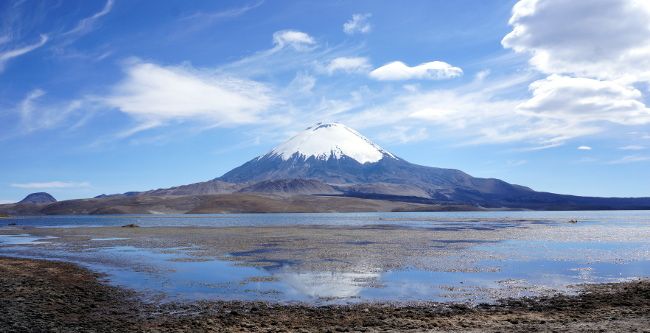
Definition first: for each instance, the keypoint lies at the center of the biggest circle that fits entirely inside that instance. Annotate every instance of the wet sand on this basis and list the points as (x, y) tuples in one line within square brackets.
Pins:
[(41, 296), (311, 247), (306, 247)]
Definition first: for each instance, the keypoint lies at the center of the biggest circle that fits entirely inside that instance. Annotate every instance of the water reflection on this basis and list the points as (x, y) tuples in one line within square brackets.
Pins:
[(23, 239), (329, 285)]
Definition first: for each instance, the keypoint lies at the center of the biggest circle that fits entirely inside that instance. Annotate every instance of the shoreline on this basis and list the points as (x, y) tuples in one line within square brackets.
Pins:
[(41, 295)]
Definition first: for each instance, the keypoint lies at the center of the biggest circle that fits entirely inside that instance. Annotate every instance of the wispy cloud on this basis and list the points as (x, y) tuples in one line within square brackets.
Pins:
[(348, 65), (86, 25), (516, 163), (483, 111), (36, 116), (584, 148), (199, 20), (358, 24), (203, 18), (51, 185), (156, 95), (7, 55), (404, 134), (632, 147), (630, 159)]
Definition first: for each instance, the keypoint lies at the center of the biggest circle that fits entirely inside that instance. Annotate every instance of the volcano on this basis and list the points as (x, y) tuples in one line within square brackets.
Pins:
[(331, 167)]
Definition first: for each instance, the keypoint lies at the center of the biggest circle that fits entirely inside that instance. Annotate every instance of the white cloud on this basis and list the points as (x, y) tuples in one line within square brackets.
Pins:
[(584, 148), (630, 159), (348, 65), (604, 39), (594, 52), (358, 24), (296, 39), (155, 94), (434, 70), (474, 113), (632, 147), (10, 54), (583, 100), (51, 185), (3, 202)]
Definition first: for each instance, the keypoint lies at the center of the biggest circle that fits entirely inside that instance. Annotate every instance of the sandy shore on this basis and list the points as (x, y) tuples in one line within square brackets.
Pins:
[(40, 296)]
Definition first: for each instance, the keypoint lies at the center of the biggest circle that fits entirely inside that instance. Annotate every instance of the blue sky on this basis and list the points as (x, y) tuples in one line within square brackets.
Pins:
[(112, 96)]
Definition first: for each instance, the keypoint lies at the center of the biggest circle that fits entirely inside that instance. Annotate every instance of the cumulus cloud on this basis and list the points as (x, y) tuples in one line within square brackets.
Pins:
[(156, 94), (595, 53), (358, 24), (586, 100), (603, 39), (7, 55), (51, 185), (291, 38), (434, 70), (348, 65)]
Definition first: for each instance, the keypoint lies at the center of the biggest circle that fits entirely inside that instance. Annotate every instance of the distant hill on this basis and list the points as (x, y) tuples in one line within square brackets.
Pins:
[(38, 198)]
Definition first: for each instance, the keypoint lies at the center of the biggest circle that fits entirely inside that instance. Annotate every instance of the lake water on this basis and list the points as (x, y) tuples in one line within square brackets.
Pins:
[(341, 258), (351, 219)]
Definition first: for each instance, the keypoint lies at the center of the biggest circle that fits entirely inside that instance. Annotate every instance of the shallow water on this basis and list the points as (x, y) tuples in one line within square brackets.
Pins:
[(444, 220), (505, 254)]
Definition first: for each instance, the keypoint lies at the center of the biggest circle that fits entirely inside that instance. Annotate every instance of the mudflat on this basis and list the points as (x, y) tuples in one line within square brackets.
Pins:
[(40, 296)]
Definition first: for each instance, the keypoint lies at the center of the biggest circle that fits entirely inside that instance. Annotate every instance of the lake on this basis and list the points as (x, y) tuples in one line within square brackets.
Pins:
[(342, 258)]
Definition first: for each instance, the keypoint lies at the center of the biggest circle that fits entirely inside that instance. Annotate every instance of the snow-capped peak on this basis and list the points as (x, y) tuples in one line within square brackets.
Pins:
[(331, 140)]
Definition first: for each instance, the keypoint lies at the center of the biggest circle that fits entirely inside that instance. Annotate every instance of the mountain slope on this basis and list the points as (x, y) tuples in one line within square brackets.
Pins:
[(291, 187), (209, 187)]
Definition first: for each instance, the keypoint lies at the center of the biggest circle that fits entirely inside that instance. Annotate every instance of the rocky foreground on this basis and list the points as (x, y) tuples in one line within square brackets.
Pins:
[(42, 296)]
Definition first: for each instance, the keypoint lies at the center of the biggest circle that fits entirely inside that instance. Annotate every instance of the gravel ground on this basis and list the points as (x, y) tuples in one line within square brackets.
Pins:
[(47, 296)]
